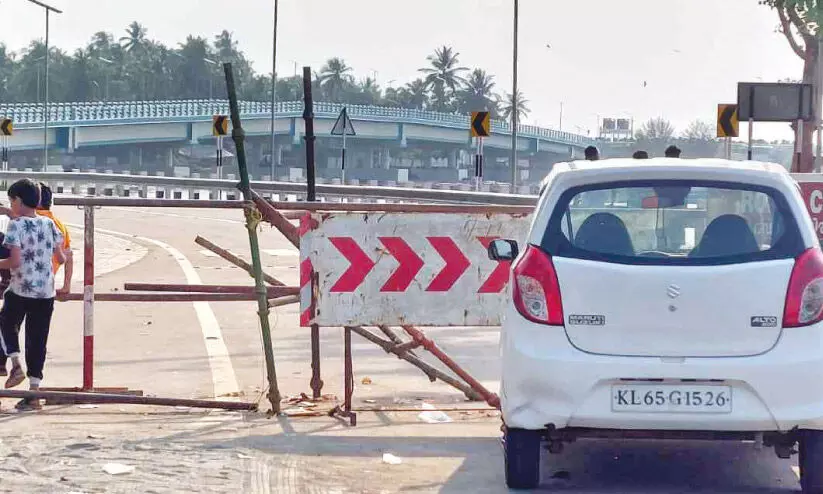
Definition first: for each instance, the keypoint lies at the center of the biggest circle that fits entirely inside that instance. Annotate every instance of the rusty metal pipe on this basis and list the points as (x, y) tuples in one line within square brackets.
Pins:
[(281, 301), (163, 297), (427, 369), (240, 263), (418, 336), (294, 210), (276, 219), (419, 410), (273, 291), (81, 397), (284, 207)]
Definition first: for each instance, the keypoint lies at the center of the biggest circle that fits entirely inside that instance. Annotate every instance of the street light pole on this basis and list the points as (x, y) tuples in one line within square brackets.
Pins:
[(48, 9), (514, 97), (274, 89)]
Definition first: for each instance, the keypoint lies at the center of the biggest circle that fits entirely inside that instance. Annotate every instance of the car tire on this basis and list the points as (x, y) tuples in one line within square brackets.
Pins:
[(521, 451), (811, 461)]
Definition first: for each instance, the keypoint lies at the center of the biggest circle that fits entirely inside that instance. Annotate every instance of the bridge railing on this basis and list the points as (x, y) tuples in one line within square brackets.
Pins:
[(371, 192), (90, 113)]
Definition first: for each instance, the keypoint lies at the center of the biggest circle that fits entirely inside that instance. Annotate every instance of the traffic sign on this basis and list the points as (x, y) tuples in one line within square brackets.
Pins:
[(481, 124), (343, 126), (6, 127), (398, 268), (220, 125), (727, 123)]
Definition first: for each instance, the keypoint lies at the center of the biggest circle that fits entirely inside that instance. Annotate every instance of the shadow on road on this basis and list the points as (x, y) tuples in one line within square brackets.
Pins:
[(585, 467)]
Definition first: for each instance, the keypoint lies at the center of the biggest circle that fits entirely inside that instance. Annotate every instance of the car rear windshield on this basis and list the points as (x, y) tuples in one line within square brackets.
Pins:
[(673, 222)]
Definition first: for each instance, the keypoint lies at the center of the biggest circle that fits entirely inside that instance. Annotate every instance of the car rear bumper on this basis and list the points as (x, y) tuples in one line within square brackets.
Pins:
[(548, 381)]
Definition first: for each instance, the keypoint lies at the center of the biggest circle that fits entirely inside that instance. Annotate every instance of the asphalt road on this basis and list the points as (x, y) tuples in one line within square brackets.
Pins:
[(190, 350)]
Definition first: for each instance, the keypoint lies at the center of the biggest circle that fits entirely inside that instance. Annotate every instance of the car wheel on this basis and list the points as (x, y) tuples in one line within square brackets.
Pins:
[(811, 461), (521, 449)]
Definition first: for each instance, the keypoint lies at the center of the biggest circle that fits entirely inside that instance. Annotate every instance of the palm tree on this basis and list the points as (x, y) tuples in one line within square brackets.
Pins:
[(510, 103), (417, 96), (6, 71), (334, 77), (81, 83), (226, 46), (195, 75), (443, 74), (369, 92), (478, 93), (135, 39)]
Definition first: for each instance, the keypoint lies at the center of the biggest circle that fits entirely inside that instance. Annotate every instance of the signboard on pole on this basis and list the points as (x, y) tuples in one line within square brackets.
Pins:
[(427, 269), (481, 124), (343, 127), (6, 131), (728, 124), (6, 127), (220, 125), (774, 102)]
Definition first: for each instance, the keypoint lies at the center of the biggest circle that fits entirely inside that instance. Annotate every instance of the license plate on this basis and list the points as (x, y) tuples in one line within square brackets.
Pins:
[(680, 398)]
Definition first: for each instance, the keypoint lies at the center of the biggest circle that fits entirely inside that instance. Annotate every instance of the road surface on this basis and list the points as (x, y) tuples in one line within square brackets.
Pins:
[(202, 350)]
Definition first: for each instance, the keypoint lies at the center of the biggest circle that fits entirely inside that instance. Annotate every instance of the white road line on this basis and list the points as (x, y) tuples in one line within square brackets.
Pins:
[(282, 252), (224, 379), (173, 215)]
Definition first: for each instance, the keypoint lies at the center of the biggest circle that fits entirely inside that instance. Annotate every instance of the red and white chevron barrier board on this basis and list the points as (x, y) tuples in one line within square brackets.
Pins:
[(307, 306), (425, 269)]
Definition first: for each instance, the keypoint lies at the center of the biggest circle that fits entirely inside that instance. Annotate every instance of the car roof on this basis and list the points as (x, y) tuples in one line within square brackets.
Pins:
[(631, 164), (628, 168)]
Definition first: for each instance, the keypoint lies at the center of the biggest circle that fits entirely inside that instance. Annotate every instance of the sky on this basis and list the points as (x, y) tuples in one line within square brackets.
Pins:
[(592, 57)]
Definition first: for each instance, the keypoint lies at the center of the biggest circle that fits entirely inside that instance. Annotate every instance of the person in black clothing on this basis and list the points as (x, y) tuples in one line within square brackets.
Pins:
[(5, 279), (591, 154), (32, 241), (673, 152)]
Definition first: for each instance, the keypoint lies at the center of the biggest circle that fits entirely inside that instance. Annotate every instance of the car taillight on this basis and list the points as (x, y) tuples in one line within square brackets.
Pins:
[(536, 291), (804, 300)]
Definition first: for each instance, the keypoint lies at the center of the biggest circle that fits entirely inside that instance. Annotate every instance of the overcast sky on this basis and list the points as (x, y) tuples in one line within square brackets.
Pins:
[(690, 53)]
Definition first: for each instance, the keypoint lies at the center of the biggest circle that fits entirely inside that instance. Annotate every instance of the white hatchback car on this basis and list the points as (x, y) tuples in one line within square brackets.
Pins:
[(664, 298)]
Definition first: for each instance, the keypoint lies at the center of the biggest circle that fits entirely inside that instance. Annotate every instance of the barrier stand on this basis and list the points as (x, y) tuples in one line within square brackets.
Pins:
[(88, 298), (472, 388), (252, 220)]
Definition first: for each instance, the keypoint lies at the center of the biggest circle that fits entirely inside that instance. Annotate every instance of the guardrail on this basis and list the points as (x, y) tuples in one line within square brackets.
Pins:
[(358, 191), (98, 113)]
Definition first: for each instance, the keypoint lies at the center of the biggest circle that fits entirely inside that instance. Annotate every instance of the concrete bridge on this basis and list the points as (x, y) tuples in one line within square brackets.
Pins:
[(171, 136)]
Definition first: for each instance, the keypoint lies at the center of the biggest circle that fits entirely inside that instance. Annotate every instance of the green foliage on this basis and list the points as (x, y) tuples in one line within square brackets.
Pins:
[(136, 67)]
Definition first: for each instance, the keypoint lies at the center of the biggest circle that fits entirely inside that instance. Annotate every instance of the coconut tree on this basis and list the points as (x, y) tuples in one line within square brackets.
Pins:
[(135, 39), (443, 77), (478, 93), (334, 77), (520, 103)]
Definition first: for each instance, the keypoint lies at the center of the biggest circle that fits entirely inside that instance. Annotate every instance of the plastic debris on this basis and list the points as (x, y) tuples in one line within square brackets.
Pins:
[(117, 469), (243, 457), (390, 459), (87, 406), (366, 380), (432, 416)]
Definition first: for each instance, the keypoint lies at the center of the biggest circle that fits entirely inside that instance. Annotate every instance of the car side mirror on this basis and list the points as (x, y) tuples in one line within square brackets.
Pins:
[(503, 250)]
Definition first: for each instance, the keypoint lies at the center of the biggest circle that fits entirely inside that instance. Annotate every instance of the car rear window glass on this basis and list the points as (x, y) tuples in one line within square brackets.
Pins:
[(673, 222)]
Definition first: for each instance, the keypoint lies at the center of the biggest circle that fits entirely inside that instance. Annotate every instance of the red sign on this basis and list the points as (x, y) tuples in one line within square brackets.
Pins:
[(813, 197), (410, 264)]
